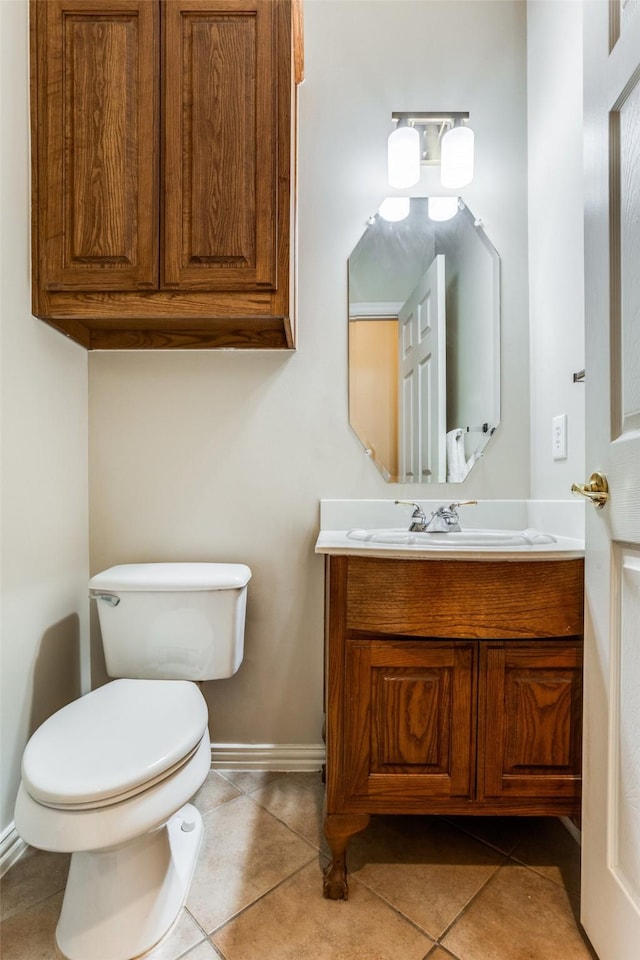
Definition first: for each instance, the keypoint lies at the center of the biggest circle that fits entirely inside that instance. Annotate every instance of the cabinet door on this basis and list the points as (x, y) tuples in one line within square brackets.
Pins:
[(219, 141), (95, 196), (409, 721), (530, 715)]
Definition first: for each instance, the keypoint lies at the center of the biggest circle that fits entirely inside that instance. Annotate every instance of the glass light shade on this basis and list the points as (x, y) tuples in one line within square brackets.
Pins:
[(442, 208), (395, 208), (456, 157), (403, 157)]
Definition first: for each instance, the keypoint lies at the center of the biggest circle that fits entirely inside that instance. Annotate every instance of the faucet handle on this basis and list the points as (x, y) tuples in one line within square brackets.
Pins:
[(462, 503), (418, 519), (409, 503)]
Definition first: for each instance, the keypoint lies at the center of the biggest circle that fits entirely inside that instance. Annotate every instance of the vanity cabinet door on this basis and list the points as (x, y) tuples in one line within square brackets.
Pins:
[(530, 715), (410, 710)]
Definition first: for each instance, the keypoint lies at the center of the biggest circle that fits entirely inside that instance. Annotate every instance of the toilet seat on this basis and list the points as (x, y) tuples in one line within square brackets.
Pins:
[(114, 743), (65, 830)]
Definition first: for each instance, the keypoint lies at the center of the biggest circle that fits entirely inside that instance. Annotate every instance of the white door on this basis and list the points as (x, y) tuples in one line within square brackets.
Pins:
[(611, 808), (422, 382)]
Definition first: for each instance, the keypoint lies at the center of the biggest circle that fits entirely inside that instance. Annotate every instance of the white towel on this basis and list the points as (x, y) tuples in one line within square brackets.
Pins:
[(457, 468)]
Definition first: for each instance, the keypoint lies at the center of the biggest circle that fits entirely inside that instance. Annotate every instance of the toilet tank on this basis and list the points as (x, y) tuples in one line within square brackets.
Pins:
[(172, 621)]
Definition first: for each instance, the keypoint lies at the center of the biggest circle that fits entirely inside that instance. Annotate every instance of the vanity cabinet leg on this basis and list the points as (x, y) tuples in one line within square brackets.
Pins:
[(338, 829)]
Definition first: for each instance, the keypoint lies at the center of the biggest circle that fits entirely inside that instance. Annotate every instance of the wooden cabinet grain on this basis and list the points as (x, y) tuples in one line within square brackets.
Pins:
[(452, 686), (163, 148)]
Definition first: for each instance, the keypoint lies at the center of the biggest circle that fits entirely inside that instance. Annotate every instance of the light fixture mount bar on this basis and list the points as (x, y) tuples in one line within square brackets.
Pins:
[(432, 116)]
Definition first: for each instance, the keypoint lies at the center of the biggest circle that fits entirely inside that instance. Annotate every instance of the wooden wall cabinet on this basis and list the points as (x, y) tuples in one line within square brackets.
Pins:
[(163, 161), (452, 687)]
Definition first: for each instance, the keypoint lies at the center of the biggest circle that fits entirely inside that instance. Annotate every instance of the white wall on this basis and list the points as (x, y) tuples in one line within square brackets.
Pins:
[(44, 457), (226, 455), (556, 250)]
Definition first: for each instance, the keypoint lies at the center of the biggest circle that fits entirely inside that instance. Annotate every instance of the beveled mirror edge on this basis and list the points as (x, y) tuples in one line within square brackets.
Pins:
[(486, 429)]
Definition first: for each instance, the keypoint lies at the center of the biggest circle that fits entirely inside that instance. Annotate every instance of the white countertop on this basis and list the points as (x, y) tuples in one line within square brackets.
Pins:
[(337, 542), (562, 519)]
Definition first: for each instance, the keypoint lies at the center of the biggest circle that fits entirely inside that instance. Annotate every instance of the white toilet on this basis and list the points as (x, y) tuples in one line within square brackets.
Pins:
[(108, 778)]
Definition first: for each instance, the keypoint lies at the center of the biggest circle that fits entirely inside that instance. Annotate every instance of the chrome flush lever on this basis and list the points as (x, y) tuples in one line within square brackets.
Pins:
[(111, 598)]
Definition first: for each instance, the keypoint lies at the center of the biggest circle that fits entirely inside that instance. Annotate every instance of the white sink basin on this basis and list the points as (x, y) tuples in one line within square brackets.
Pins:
[(464, 538)]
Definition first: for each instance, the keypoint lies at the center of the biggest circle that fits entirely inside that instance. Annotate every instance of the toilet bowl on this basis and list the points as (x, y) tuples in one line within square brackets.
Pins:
[(108, 778)]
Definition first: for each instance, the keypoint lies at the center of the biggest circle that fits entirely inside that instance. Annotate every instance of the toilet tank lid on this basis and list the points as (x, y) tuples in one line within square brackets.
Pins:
[(172, 576)]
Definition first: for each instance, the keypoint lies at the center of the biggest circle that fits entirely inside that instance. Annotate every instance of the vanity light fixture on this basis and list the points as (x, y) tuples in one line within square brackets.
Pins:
[(403, 155), (456, 156), (442, 208), (394, 209), (430, 138)]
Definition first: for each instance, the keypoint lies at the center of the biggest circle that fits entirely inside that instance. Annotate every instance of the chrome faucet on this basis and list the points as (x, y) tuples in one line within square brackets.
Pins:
[(418, 519), (446, 519)]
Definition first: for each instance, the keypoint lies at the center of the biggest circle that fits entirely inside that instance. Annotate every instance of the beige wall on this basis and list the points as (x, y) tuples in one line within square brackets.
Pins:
[(556, 250), (224, 456), (44, 458)]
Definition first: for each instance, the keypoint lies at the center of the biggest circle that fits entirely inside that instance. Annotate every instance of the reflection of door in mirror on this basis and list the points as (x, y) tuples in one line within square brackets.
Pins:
[(422, 379)]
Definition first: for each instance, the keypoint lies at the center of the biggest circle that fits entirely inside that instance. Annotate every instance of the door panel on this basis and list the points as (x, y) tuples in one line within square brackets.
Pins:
[(97, 145), (422, 379), (625, 697), (410, 720), (219, 144), (530, 718), (611, 838)]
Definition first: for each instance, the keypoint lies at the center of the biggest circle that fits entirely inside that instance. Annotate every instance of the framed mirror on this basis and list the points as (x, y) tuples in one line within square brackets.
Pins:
[(424, 344)]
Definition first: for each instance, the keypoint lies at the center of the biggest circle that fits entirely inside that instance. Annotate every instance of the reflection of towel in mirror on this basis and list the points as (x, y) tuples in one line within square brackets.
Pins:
[(457, 468)]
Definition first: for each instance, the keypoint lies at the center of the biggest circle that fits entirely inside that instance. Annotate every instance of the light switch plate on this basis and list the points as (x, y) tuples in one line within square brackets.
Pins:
[(559, 437)]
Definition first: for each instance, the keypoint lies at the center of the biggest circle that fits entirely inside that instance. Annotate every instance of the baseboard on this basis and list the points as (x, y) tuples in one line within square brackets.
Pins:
[(12, 846), (287, 757)]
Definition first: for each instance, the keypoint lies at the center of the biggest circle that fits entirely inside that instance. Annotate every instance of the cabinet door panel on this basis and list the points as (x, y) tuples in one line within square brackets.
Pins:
[(530, 720), (409, 719), (96, 137), (219, 144)]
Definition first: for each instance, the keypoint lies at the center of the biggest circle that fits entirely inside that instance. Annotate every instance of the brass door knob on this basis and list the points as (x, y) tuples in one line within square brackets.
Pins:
[(596, 490)]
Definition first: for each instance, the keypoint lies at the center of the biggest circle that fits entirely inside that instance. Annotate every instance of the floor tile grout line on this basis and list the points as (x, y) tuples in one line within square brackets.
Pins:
[(217, 951), (223, 803), (205, 935), (471, 900), (248, 906), (279, 775), (487, 843), (538, 872), (394, 908), (36, 903), (295, 832), (440, 946), (510, 854)]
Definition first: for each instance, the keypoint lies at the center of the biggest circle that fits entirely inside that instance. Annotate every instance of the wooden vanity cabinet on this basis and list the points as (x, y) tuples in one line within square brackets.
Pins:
[(452, 687), (163, 161)]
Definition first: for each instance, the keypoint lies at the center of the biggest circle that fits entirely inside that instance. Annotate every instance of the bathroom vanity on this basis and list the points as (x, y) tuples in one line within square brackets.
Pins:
[(453, 683)]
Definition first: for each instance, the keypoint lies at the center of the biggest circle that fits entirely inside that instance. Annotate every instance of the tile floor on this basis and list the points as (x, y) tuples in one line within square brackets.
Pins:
[(420, 887)]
